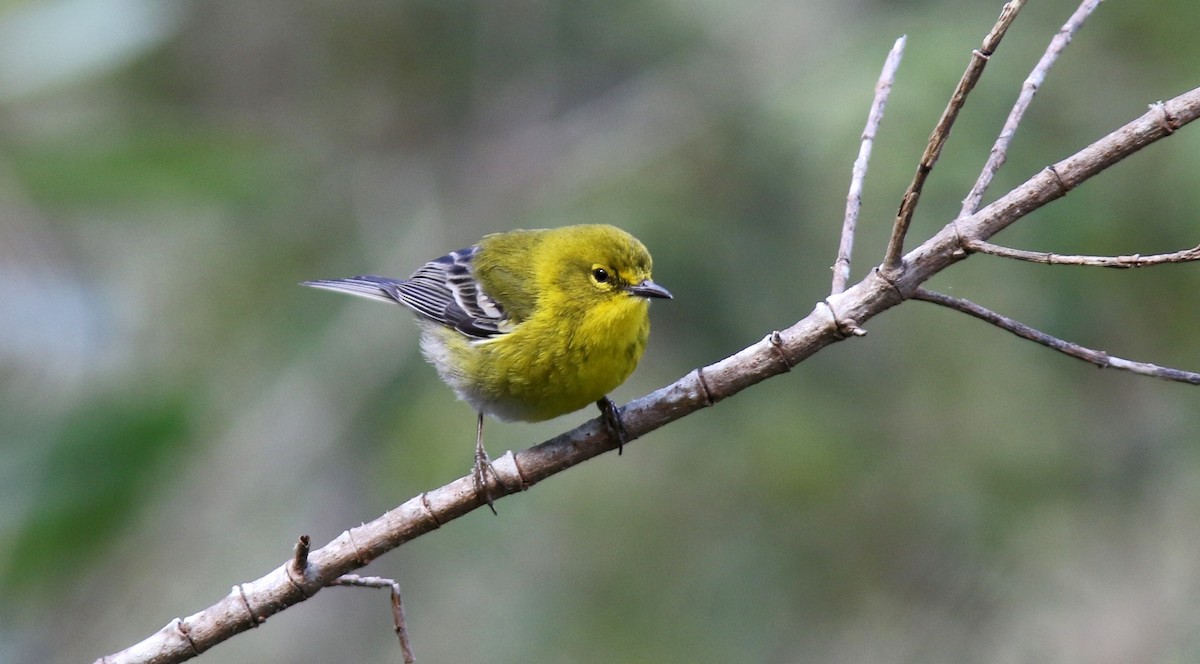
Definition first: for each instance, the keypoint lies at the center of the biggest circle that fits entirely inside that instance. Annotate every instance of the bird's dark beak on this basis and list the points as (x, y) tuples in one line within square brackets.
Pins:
[(648, 288)]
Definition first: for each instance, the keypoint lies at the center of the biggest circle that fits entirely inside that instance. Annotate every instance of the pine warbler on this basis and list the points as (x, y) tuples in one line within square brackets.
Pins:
[(529, 324)]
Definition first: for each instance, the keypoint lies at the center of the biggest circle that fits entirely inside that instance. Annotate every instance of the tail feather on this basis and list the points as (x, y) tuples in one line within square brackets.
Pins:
[(371, 287)]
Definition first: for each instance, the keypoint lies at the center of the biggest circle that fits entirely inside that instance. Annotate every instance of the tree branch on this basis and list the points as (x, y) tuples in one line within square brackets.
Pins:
[(858, 174), (1033, 82), (356, 581), (1096, 357), (941, 131), (946, 247), (1120, 262)]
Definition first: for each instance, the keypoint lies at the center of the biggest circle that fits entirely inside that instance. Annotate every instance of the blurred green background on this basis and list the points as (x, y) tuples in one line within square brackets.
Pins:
[(175, 409)]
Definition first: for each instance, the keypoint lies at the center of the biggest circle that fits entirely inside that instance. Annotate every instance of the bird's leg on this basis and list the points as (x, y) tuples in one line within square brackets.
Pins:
[(483, 465), (612, 421)]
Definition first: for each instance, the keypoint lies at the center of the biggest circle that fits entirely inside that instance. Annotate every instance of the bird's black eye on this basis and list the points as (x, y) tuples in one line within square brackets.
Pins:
[(600, 275)]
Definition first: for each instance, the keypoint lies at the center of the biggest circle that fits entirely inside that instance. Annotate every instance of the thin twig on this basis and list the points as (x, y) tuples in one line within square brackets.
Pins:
[(358, 581), (941, 132), (1096, 357), (300, 555), (1036, 77), (858, 175), (1121, 262)]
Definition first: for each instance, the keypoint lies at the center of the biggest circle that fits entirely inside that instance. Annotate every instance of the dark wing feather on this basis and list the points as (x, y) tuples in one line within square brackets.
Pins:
[(442, 290)]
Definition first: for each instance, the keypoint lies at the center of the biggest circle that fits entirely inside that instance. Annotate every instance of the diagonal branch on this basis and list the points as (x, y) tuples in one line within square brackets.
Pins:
[(1033, 82), (1055, 181), (251, 603), (1096, 357), (941, 131), (858, 175), (1120, 262)]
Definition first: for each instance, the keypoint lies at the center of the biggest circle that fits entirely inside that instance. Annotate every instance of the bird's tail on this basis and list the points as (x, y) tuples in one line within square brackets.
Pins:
[(381, 289)]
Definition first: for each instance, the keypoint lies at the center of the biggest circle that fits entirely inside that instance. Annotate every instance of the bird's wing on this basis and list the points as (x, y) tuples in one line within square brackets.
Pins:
[(445, 291), (442, 290)]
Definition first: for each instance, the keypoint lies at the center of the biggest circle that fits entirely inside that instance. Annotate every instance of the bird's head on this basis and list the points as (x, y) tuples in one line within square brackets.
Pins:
[(599, 263)]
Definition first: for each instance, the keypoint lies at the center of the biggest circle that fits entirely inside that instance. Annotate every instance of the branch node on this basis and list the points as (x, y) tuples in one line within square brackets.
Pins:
[(429, 513), (507, 474), (183, 628), (959, 241), (889, 278), (708, 398), (1168, 122), (844, 327), (1058, 181), (963, 244), (291, 572), (525, 484), (358, 554), (255, 620), (776, 341)]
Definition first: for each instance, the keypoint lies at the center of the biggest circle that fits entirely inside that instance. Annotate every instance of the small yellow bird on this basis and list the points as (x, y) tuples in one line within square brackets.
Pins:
[(529, 324)]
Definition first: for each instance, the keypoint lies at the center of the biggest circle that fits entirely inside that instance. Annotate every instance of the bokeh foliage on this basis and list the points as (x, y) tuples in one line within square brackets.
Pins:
[(175, 410)]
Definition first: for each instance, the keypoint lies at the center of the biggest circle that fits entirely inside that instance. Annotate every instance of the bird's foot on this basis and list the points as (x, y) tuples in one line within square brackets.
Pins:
[(612, 421), (483, 467)]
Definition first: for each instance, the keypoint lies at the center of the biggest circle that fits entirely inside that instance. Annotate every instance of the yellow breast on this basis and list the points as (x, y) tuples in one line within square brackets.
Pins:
[(548, 365)]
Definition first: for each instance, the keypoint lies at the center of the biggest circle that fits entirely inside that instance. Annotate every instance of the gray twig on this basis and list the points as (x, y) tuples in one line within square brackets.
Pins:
[(1120, 262), (1096, 357), (392, 585), (999, 152), (941, 131), (858, 175)]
